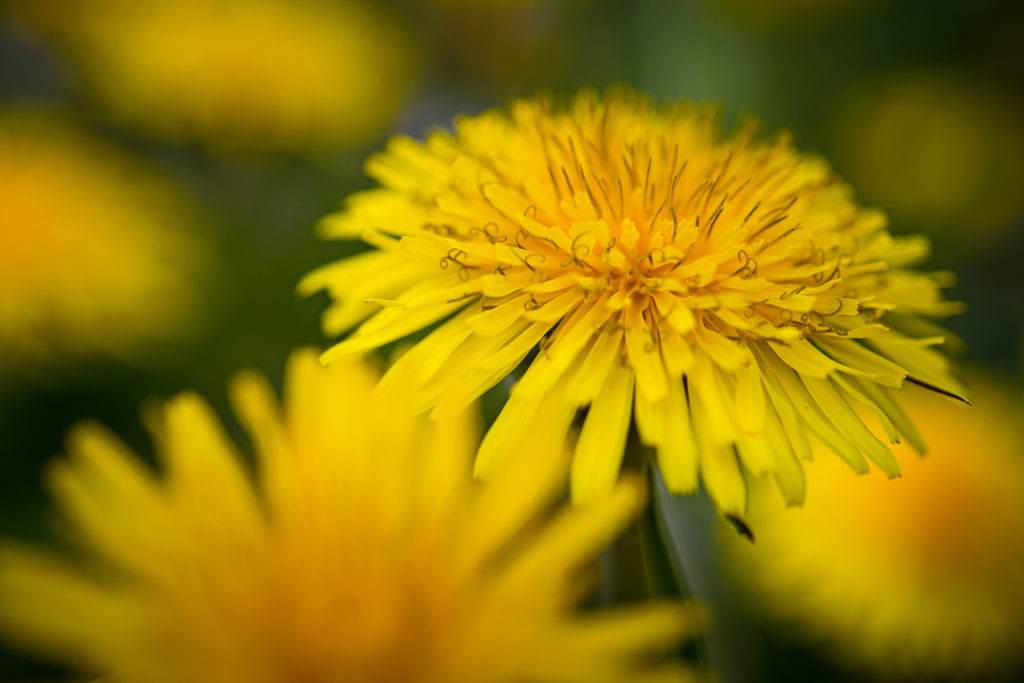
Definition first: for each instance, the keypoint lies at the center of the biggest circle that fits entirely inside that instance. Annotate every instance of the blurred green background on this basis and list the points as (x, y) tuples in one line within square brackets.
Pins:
[(917, 103)]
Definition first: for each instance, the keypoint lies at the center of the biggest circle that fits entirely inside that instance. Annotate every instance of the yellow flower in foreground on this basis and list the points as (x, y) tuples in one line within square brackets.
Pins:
[(363, 551), (731, 282), (263, 73), (95, 251), (923, 576)]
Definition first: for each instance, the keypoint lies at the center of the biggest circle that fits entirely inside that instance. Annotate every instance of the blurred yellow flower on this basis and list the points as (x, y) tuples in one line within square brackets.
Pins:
[(96, 254), (920, 577), (249, 73), (361, 550), (731, 281), (937, 152)]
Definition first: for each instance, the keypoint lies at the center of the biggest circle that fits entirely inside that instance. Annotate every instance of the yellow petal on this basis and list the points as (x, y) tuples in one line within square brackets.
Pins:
[(832, 403), (788, 472), (517, 418), (706, 383), (587, 380), (602, 442), (750, 398), (677, 452), (789, 388), (645, 356)]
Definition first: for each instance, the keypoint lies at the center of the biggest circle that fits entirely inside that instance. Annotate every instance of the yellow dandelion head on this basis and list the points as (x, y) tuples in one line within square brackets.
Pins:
[(361, 549), (723, 290), (97, 255), (269, 73), (917, 577)]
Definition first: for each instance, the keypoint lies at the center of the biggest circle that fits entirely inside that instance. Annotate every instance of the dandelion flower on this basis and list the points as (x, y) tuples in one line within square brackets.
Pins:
[(725, 292), (95, 252), (918, 577), (241, 73), (360, 550)]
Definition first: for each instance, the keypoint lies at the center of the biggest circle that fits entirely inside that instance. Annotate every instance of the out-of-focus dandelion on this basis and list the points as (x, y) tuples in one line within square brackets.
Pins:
[(360, 550), (240, 73), (920, 577), (732, 282), (96, 253), (937, 153)]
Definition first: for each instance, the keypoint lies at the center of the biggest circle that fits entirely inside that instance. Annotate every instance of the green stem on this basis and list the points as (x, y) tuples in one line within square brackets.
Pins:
[(674, 561), (644, 562)]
